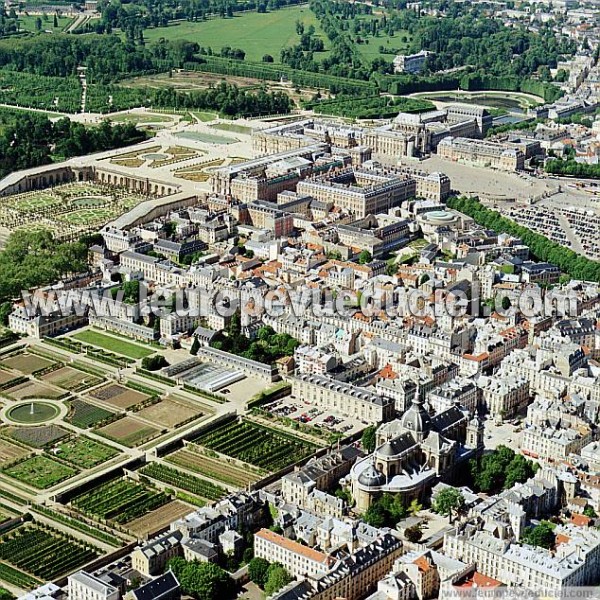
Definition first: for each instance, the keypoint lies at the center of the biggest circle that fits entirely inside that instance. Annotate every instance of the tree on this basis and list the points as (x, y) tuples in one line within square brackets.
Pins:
[(414, 507), (448, 501), (365, 257), (375, 515), (257, 571), (277, 577), (205, 581), (154, 362), (541, 535), (267, 58), (5, 310), (413, 534), (589, 511), (368, 439), (506, 303), (195, 346)]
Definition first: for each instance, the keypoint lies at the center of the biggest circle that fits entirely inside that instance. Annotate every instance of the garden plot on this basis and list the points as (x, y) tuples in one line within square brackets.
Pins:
[(10, 452), (5, 376), (33, 389), (84, 453), (217, 469), (39, 471), (38, 437), (84, 414), (129, 431), (71, 379), (66, 209), (120, 500), (119, 396), (44, 552), (170, 413), (266, 448), (27, 363), (159, 518)]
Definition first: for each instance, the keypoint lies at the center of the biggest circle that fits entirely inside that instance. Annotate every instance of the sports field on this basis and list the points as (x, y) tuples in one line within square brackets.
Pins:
[(255, 33), (112, 344)]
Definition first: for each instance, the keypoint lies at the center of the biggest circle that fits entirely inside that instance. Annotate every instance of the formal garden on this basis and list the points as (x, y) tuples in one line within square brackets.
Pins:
[(67, 209), (155, 156)]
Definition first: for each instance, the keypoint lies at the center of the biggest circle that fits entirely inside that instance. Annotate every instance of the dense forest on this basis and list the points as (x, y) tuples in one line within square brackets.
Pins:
[(543, 249), (34, 258), (30, 140)]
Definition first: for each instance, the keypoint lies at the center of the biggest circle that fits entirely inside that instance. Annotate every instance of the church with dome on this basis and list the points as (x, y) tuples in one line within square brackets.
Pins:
[(414, 453)]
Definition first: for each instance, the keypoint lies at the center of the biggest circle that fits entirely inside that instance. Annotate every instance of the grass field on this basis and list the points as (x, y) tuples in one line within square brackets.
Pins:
[(84, 452), (113, 344), (140, 118), (257, 34), (204, 116), (39, 471), (233, 128), (28, 23)]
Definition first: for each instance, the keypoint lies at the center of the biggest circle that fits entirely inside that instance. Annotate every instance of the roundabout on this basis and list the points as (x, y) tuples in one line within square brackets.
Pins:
[(33, 412)]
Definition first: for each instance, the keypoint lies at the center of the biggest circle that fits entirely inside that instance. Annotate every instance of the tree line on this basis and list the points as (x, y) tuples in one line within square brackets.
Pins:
[(575, 265)]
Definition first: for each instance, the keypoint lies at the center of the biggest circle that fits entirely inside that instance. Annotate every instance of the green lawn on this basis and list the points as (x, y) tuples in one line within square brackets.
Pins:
[(27, 23), (139, 118), (112, 344), (204, 116), (233, 128), (255, 33), (370, 50)]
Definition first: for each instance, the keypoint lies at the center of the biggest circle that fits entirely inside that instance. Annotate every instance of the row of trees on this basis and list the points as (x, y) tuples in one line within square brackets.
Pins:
[(575, 265), (572, 168)]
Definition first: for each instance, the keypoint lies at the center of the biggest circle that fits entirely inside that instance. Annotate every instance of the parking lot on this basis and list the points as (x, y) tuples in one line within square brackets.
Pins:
[(302, 412)]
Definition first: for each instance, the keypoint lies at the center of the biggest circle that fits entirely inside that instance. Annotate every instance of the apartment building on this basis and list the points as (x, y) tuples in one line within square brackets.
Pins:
[(297, 559), (573, 563), (481, 153), (151, 558), (503, 395), (343, 398), (86, 586)]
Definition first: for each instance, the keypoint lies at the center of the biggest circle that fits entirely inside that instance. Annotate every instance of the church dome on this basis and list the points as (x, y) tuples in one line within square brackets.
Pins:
[(416, 418), (371, 477)]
